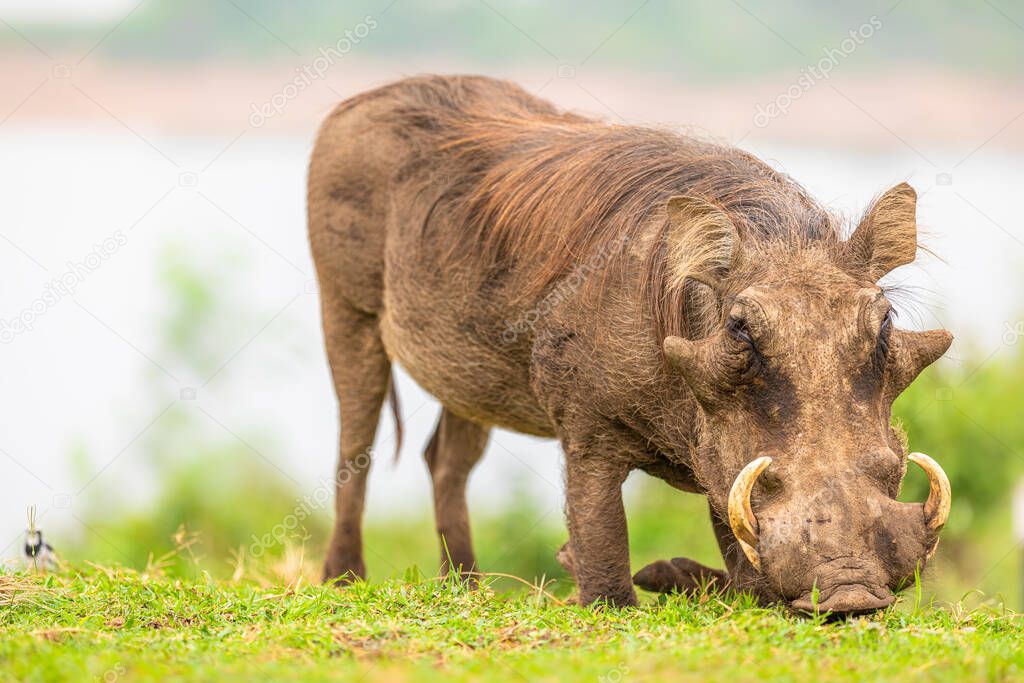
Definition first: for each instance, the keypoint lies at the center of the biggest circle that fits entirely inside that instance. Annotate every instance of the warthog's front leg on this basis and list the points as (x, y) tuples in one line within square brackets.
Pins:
[(598, 537), (683, 575), (679, 575)]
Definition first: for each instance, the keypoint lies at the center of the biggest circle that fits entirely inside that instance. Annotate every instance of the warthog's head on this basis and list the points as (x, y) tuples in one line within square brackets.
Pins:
[(795, 372)]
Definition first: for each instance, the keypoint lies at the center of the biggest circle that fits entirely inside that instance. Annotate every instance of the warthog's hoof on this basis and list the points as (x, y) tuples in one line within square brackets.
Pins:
[(343, 570), (679, 575)]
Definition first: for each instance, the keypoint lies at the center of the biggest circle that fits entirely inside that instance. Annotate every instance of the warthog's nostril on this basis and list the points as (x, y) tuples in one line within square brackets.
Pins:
[(851, 599)]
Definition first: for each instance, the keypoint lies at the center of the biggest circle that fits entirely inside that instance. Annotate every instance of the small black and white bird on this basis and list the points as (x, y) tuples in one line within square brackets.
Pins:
[(39, 554)]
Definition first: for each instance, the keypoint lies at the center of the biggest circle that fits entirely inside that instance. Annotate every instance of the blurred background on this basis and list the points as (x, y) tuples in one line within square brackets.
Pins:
[(164, 385)]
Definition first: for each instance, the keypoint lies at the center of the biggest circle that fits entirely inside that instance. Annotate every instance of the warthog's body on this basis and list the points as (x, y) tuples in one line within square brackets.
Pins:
[(521, 265)]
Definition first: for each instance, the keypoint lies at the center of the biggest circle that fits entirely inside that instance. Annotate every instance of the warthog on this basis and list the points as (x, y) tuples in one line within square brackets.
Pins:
[(655, 302)]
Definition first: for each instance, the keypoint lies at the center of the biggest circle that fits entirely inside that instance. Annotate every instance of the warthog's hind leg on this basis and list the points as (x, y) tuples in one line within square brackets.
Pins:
[(454, 449), (361, 371)]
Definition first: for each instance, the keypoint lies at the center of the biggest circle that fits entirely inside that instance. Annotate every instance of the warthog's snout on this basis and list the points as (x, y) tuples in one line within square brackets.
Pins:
[(844, 552), (845, 585), (745, 526), (846, 600)]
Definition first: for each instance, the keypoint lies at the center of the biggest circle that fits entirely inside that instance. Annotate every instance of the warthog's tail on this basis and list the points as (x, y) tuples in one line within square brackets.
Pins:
[(396, 413)]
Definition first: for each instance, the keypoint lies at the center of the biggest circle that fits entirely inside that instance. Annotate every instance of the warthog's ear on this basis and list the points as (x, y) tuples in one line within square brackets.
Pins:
[(700, 247), (701, 241), (887, 235)]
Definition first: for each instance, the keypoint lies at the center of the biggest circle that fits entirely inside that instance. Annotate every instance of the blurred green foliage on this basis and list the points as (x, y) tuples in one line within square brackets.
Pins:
[(969, 419)]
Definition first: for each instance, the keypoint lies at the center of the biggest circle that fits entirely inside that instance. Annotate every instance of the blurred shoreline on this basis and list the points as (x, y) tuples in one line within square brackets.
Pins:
[(915, 106)]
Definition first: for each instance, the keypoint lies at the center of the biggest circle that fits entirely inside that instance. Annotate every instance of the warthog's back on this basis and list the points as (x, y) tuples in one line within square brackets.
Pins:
[(451, 207)]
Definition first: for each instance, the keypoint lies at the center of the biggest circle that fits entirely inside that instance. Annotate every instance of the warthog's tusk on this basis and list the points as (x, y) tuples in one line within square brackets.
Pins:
[(741, 516), (936, 508)]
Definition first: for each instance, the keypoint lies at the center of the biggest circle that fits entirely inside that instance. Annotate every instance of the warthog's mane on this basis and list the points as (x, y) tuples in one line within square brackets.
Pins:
[(531, 184)]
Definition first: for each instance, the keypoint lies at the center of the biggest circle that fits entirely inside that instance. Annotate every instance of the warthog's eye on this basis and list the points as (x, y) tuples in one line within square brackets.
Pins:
[(740, 332), (884, 335)]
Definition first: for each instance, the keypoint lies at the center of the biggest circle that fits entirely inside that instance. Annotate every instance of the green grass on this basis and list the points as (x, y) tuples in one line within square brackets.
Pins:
[(123, 625)]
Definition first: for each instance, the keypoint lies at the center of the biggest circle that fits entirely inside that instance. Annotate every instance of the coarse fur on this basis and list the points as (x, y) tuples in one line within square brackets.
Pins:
[(654, 301)]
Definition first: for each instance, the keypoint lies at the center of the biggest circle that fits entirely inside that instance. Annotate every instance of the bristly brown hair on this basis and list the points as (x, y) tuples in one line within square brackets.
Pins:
[(535, 185)]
